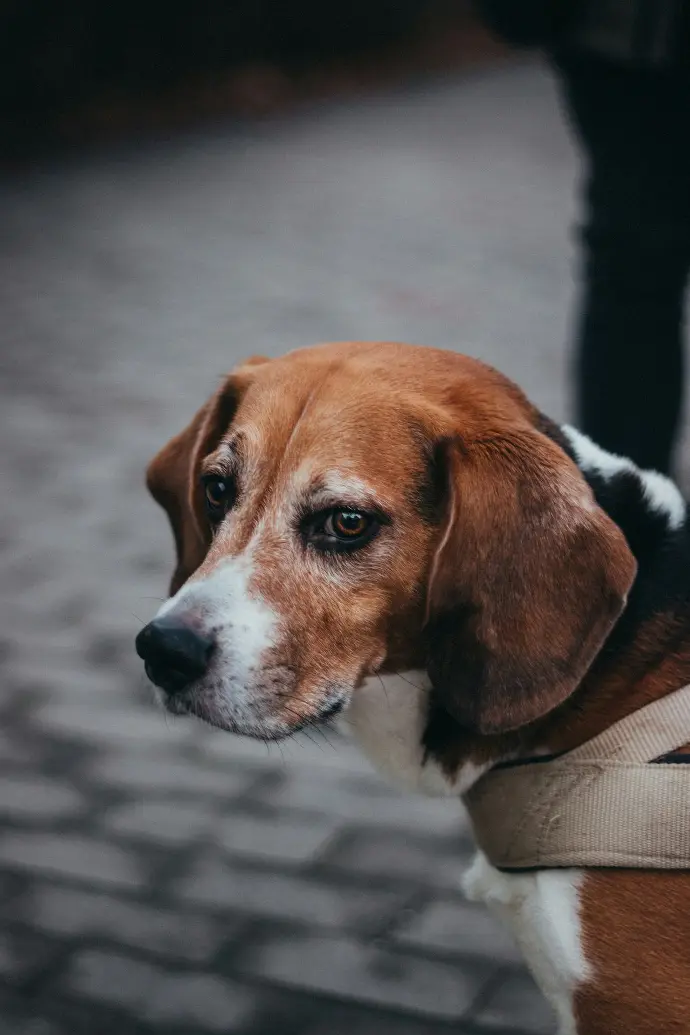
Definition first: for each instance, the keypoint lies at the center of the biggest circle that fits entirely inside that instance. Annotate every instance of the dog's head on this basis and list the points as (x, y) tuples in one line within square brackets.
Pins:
[(360, 509)]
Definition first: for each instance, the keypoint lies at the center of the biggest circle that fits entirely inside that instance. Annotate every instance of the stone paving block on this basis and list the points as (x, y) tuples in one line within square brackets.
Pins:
[(339, 1021), (437, 862), (364, 798), (307, 899), (286, 837), (112, 978), (327, 749), (78, 682), (165, 822), (162, 773), (156, 995), (111, 725), (38, 798), (65, 603), (13, 751), (31, 1026), (200, 1000), (351, 970), (80, 914), (517, 1003), (54, 633), (10, 886), (67, 855), (454, 926), (21, 955), (109, 648)]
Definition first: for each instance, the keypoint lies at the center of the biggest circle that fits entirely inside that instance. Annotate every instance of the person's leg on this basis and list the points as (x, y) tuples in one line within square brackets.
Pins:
[(634, 126)]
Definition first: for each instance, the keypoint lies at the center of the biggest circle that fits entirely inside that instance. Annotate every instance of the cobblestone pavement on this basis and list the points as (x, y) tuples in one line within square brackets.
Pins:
[(155, 876)]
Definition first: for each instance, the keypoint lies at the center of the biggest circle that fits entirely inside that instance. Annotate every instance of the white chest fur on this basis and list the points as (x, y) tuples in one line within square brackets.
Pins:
[(388, 716), (542, 912)]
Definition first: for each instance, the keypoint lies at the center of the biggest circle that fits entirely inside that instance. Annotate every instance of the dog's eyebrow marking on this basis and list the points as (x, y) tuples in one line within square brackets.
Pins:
[(337, 487), (336, 482), (226, 459), (234, 445)]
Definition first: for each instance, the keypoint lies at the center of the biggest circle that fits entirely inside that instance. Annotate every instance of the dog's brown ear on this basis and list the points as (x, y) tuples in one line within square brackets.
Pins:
[(528, 580), (172, 476)]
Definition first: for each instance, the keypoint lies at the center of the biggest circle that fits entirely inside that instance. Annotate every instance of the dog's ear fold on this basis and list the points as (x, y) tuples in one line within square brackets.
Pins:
[(172, 476), (528, 580)]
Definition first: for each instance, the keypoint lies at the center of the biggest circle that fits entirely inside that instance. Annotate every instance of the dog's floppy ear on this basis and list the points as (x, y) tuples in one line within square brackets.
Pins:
[(528, 580), (172, 476)]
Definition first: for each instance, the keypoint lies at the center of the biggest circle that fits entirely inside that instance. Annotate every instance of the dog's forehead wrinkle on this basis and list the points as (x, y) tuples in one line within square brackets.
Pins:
[(276, 403), (355, 448)]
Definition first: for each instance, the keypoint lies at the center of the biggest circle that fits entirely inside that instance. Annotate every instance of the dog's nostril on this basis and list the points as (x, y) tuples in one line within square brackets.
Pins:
[(174, 654)]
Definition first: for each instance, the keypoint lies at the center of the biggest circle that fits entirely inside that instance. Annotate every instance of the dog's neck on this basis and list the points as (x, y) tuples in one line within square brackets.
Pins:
[(647, 654)]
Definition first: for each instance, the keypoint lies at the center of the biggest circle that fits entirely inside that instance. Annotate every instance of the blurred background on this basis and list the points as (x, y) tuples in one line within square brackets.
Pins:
[(181, 186)]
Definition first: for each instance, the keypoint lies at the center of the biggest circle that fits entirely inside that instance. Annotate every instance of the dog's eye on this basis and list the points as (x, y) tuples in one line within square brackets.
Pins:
[(341, 529), (347, 525), (218, 495)]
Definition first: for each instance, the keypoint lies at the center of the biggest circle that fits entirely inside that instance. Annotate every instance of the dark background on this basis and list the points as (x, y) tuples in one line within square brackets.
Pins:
[(73, 69)]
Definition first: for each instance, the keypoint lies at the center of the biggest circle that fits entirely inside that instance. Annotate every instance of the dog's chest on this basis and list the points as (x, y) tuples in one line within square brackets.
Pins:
[(542, 912)]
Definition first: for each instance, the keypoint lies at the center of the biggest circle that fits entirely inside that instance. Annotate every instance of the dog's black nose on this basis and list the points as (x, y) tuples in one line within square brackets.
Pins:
[(174, 654)]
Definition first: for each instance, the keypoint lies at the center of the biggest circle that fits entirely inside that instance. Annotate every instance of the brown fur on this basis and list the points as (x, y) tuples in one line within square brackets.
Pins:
[(636, 941)]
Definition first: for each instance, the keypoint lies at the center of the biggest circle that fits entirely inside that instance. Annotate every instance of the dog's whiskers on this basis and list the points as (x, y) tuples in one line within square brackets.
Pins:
[(409, 682), (384, 688)]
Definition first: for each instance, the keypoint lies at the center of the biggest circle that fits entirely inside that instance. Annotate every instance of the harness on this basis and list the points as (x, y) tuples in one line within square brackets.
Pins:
[(616, 800)]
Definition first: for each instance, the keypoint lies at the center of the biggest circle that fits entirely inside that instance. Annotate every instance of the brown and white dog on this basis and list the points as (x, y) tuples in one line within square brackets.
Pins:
[(398, 534)]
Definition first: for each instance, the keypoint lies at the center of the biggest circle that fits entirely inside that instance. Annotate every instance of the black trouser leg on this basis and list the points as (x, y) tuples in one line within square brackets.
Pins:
[(634, 126), (629, 362)]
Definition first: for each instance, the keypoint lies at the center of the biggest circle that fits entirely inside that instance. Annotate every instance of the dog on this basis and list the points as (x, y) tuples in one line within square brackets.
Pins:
[(396, 534)]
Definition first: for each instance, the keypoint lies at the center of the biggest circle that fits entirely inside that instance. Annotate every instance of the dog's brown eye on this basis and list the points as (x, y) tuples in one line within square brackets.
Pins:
[(218, 494), (341, 530), (346, 524)]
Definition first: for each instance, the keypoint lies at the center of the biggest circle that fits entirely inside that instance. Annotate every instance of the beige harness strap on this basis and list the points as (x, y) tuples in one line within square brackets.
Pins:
[(604, 804)]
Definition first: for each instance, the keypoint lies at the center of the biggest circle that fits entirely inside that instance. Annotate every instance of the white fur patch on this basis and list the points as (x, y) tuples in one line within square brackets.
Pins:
[(388, 715), (664, 496), (660, 492), (222, 600), (542, 910), (337, 487), (592, 457), (244, 628), (347, 486)]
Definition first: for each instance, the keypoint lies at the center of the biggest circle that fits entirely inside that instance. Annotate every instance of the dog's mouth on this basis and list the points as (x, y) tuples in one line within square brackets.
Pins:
[(173, 681), (331, 711), (193, 703)]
